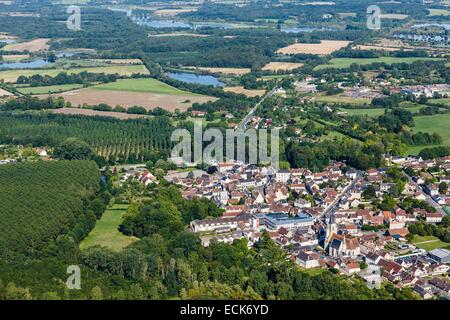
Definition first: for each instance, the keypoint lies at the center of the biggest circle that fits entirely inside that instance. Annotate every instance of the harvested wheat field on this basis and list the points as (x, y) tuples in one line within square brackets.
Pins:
[(242, 90), (394, 43), (89, 112), (172, 12), (230, 71), (32, 46), (15, 57), (394, 16), (275, 66), (323, 48), (375, 48), (128, 99)]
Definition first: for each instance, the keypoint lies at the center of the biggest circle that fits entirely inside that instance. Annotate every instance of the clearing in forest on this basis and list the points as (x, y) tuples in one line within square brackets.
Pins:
[(106, 233)]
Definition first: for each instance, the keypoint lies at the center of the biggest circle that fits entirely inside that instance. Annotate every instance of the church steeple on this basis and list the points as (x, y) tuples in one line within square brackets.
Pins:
[(331, 229)]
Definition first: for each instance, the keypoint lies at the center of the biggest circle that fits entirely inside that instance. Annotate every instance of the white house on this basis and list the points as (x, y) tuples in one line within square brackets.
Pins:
[(308, 259)]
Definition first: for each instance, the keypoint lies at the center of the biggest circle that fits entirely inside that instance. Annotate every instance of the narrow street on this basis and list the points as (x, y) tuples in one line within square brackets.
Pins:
[(428, 199), (248, 117)]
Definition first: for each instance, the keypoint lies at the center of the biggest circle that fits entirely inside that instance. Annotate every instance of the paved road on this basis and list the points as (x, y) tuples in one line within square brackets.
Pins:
[(428, 199), (248, 117), (339, 197)]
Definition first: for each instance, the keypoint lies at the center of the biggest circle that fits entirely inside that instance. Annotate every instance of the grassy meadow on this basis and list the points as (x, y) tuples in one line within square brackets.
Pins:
[(126, 70), (141, 85), (49, 89), (106, 231), (346, 62), (438, 123)]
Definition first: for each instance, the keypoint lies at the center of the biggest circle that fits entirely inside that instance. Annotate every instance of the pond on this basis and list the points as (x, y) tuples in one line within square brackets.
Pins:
[(303, 29), (34, 64), (7, 41), (160, 24), (206, 80)]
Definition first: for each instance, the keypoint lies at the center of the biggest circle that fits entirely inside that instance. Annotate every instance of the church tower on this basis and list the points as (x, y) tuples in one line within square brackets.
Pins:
[(331, 229)]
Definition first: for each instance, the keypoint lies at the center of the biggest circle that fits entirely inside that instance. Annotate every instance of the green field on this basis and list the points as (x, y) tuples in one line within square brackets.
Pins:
[(429, 242), (106, 233), (375, 112), (444, 102), (127, 70), (438, 123), (142, 85), (346, 62), (341, 99), (49, 89)]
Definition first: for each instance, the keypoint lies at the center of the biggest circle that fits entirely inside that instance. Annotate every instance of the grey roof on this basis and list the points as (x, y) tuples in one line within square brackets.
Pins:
[(441, 253)]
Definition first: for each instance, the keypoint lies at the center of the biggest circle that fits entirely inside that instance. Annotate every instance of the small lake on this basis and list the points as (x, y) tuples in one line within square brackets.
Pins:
[(206, 80), (303, 29), (35, 64), (7, 41), (160, 24)]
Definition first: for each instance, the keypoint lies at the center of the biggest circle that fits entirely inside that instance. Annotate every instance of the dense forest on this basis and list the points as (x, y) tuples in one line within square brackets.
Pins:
[(39, 201), (130, 140)]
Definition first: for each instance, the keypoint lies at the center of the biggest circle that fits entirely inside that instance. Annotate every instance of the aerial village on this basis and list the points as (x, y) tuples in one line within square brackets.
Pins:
[(332, 219)]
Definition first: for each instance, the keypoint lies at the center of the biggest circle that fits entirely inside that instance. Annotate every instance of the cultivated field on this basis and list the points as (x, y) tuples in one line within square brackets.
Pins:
[(438, 12), (89, 112), (172, 12), (275, 66), (323, 48), (230, 71), (242, 90), (394, 16), (127, 70), (4, 93), (342, 99), (106, 233), (148, 93), (346, 62), (31, 46), (147, 85), (15, 57), (379, 48)]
